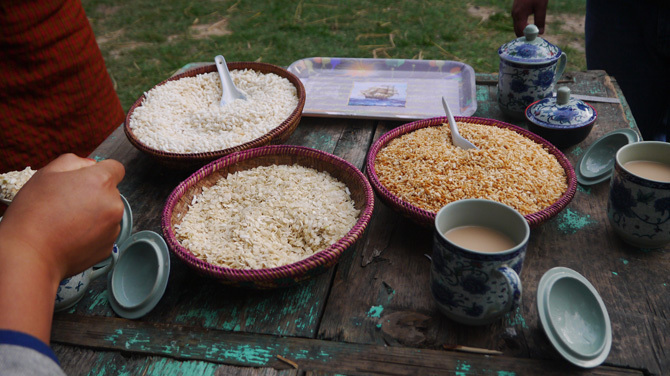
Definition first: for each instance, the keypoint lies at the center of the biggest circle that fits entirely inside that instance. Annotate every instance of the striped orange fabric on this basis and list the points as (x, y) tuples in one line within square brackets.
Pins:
[(55, 93)]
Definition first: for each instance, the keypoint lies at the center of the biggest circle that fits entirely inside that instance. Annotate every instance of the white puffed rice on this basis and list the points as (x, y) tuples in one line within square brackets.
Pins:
[(184, 116)]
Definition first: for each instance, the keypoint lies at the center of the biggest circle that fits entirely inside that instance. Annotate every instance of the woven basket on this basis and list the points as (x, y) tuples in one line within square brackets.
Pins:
[(191, 161), (426, 218), (283, 276)]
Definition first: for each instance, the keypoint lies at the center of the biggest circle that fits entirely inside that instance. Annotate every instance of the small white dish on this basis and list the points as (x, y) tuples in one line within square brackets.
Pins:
[(5, 201), (574, 317)]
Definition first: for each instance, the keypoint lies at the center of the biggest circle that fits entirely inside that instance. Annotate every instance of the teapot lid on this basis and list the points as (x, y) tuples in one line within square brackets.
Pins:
[(561, 112), (529, 49)]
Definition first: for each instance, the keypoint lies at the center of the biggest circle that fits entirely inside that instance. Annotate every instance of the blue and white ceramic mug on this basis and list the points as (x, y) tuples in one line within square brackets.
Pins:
[(529, 70), (472, 287), (638, 208)]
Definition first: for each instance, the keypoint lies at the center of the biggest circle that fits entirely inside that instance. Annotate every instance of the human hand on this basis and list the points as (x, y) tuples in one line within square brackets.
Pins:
[(67, 216), (521, 9), (63, 220)]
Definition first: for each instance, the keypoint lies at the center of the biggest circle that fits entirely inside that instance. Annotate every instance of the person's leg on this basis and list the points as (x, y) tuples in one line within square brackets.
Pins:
[(631, 41)]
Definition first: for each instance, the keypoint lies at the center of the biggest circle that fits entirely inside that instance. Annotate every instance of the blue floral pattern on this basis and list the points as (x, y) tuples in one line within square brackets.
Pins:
[(529, 69), (519, 86), (639, 210), (474, 288), (475, 282), (573, 114), (526, 50), (544, 79)]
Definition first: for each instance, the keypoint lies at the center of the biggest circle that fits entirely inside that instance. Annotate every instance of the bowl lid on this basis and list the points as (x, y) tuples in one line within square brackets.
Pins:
[(574, 317), (132, 298), (597, 163), (529, 49), (561, 112)]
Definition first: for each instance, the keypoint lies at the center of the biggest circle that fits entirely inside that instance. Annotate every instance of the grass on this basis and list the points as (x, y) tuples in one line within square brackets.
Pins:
[(145, 41)]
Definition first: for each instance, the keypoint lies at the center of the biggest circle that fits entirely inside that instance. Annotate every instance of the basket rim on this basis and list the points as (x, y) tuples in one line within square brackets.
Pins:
[(324, 257), (283, 127), (425, 217)]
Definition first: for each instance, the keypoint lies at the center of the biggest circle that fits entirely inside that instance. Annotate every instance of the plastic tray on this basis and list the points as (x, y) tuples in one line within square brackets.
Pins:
[(395, 88)]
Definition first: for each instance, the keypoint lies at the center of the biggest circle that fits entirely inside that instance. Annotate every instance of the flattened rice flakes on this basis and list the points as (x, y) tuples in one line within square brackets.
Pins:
[(267, 217), (11, 182)]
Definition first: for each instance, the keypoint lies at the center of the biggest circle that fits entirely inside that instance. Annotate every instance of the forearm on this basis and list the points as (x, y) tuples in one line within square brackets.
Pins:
[(62, 221), (27, 290)]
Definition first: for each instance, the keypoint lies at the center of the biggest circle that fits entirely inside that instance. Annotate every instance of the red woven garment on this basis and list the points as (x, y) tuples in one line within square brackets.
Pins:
[(55, 93)]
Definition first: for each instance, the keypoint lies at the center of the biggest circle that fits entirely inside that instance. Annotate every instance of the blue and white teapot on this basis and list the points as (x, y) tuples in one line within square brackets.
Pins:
[(529, 69)]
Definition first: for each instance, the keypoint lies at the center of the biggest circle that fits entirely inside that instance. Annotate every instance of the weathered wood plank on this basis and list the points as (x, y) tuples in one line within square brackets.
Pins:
[(195, 344), (345, 138), (76, 361)]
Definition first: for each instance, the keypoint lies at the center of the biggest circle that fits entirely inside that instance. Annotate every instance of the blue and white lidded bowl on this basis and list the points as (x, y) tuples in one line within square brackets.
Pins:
[(563, 121)]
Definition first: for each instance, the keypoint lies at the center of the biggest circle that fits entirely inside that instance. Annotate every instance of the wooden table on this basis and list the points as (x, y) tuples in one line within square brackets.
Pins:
[(373, 313)]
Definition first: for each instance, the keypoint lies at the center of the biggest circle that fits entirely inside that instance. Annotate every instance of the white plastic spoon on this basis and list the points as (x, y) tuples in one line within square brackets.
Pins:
[(456, 138), (230, 92)]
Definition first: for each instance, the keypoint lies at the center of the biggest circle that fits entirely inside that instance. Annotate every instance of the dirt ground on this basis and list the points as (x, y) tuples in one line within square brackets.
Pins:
[(563, 29)]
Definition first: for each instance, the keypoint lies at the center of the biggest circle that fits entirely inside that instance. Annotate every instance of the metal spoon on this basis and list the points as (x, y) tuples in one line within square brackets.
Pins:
[(456, 138), (230, 92)]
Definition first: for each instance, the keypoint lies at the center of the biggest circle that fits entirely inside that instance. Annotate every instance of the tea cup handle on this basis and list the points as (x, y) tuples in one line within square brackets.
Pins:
[(102, 271), (513, 286), (560, 66)]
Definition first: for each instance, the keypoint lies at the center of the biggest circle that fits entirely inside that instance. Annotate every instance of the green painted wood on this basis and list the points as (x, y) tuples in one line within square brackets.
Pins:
[(197, 345), (87, 362)]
